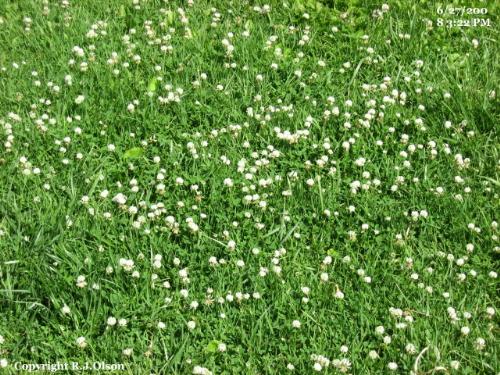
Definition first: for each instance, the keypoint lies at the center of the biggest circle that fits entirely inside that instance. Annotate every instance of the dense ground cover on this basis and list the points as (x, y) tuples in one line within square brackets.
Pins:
[(217, 187)]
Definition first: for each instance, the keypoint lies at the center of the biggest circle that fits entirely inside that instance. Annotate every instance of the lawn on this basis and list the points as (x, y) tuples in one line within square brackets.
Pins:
[(235, 187)]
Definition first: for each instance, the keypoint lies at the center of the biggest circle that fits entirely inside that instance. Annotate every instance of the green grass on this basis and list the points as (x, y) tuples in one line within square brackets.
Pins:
[(56, 224)]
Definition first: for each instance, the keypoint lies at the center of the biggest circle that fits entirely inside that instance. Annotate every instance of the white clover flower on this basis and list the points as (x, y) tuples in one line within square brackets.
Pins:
[(79, 99), (393, 366), (81, 282), (198, 370), (183, 273), (410, 349), (126, 264), (81, 342), (193, 227), (360, 162), (122, 322), (480, 343)]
